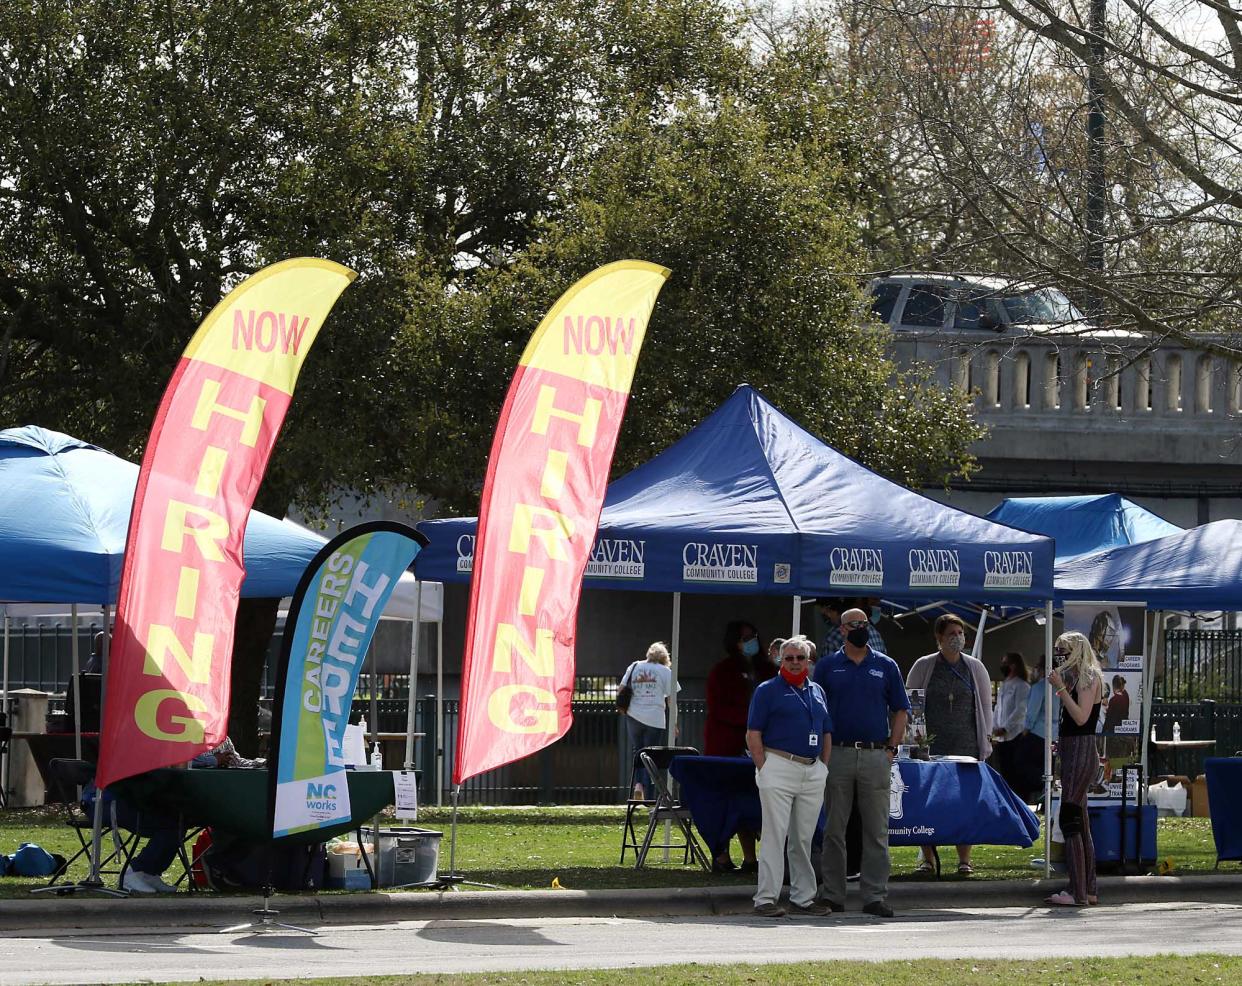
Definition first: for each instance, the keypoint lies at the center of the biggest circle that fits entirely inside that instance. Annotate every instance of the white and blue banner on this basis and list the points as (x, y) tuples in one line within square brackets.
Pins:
[(331, 622)]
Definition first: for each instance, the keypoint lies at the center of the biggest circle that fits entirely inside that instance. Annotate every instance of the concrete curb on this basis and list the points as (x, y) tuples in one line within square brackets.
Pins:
[(35, 917)]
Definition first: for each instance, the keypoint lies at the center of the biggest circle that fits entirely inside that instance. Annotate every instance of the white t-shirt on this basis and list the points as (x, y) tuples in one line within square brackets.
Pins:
[(653, 686), (1010, 712)]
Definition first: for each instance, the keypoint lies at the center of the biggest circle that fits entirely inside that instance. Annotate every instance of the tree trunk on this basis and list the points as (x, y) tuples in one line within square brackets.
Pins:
[(256, 621)]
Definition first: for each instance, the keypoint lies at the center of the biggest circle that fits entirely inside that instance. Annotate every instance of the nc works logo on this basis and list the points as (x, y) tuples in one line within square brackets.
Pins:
[(320, 797)]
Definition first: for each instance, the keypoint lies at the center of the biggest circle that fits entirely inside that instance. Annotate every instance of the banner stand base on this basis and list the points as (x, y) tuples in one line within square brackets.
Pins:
[(87, 886), (451, 881), (265, 923)]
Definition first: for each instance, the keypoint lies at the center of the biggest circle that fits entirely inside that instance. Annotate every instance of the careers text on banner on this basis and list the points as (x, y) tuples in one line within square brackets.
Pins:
[(168, 676), (331, 621), (541, 502)]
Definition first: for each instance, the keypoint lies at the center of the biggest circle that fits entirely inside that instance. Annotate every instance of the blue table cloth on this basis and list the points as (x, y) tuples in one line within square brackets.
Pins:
[(939, 803), (1224, 785)]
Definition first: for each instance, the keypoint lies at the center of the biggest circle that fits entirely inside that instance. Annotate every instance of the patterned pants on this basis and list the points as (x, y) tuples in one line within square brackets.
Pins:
[(1079, 765)]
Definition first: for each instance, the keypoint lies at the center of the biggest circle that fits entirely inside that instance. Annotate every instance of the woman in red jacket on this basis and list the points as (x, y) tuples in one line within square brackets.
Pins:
[(729, 687)]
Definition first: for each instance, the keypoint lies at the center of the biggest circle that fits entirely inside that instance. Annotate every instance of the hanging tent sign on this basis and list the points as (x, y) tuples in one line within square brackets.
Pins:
[(332, 619)]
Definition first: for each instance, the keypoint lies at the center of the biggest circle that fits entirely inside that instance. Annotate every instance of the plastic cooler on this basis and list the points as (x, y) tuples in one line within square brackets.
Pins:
[(406, 855), (1106, 831)]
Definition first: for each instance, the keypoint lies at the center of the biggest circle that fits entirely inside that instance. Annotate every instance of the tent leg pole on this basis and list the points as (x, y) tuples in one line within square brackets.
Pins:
[(675, 649), (1047, 741), (672, 715), (412, 691), (977, 650), (795, 623), (440, 738), (77, 690), (4, 719)]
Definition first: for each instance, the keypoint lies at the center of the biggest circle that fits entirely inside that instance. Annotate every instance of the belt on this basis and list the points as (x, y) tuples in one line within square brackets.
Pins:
[(789, 756), (865, 746)]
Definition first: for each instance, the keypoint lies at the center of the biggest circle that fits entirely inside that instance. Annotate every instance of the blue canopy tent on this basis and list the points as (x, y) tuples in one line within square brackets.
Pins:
[(64, 518), (1079, 525), (1083, 524), (749, 502), (1199, 569)]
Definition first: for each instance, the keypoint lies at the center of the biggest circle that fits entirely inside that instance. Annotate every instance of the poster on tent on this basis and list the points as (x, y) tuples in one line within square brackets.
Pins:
[(332, 619), (1118, 632), (214, 432)]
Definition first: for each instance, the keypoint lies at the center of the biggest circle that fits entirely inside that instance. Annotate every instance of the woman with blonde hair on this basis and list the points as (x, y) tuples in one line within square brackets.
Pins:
[(646, 717), (1079, 685)]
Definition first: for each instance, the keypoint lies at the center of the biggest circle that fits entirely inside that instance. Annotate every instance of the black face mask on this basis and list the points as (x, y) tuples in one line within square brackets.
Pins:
[(858, 637)]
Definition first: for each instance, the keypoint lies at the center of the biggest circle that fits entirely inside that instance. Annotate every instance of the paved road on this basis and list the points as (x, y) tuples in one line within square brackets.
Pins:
[(458, 946)]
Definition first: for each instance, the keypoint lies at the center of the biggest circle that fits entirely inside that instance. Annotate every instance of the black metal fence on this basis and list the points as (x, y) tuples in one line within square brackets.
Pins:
[(1201, 664), (1199, 686), (589, 765)]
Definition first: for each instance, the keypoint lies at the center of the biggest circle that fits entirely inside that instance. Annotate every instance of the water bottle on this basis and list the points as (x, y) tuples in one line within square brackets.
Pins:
[(1177, 732)]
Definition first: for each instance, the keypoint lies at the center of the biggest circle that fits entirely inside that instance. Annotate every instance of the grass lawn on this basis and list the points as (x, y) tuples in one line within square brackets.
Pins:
[(523, 848), (1150, 971)]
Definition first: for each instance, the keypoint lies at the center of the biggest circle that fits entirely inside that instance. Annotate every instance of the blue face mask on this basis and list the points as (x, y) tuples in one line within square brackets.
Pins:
[(750, 647), (875, 614)]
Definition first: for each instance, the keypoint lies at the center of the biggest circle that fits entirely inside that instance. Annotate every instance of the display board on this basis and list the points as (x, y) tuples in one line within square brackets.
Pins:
[(1118, 633)]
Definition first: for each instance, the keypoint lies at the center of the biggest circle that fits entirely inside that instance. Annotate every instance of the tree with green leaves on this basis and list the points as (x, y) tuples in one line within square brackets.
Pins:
[(470, 160)]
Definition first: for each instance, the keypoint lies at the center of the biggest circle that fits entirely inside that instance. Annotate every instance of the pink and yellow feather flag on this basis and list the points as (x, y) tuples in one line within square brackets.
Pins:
[(542, 498), (167, 696)]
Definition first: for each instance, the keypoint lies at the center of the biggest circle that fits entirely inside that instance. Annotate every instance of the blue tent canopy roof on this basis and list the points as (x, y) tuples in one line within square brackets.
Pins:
[(748, 501), (1083, 524), (1199, 569), (64, 517)]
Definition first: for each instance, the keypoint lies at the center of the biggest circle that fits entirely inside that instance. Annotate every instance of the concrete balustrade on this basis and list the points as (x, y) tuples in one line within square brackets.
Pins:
[(1119, 411)]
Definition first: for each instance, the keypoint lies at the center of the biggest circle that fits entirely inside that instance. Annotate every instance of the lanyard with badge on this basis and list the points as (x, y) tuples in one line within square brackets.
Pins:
[(965, 679), (813, 738)]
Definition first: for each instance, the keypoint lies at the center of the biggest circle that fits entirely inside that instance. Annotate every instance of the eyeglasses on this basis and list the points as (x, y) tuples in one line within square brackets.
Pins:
[(793, 657), (855, 624), (1061, 653)]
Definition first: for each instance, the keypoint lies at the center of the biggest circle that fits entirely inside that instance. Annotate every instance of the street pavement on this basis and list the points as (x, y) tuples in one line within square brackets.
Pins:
[(462, 945), (176, 939)]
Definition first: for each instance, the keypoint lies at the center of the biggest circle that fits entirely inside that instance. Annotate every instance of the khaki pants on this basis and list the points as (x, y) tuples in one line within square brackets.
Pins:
[(791, 795), (861, 775)]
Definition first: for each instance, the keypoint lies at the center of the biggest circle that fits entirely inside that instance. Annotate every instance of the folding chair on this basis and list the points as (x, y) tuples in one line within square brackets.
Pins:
[(663, 808), (662, 756), (70, 776)]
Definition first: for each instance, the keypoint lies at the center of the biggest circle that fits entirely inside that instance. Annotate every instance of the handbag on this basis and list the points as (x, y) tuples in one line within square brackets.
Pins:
[(625, 693)]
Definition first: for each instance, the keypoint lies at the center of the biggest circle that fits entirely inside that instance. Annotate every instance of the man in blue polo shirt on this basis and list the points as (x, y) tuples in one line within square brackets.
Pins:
[(867, 700), (789, 735)]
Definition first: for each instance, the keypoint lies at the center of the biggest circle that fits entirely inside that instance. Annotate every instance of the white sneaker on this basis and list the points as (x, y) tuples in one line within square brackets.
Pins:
[(137, 882)]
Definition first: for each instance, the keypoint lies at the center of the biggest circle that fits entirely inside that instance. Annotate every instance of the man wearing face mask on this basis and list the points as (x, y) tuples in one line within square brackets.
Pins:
[(957, 706), (869, 707), (789, 736), (831, 608)]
